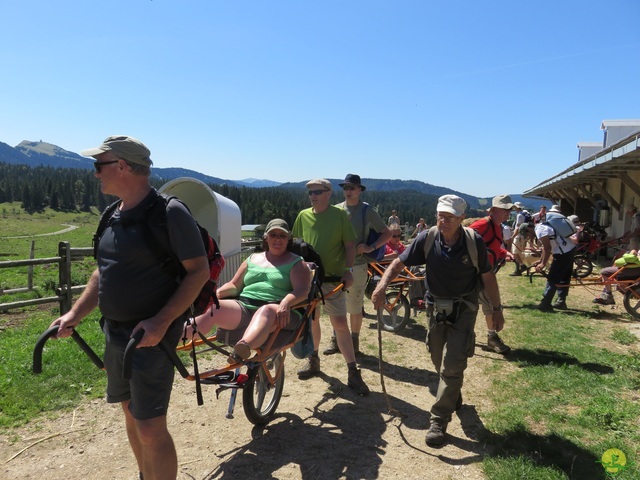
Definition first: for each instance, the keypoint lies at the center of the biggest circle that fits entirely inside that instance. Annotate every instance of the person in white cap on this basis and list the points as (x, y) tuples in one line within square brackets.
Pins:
[(455, 258), (490, 229), (328, 230), (134, 292)]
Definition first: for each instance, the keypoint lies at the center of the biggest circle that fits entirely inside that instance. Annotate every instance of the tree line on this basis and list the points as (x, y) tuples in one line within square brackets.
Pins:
[(72, 189)]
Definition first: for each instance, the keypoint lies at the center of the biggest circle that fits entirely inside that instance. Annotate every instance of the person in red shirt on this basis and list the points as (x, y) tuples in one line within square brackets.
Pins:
[(394, 246), (490, 229)]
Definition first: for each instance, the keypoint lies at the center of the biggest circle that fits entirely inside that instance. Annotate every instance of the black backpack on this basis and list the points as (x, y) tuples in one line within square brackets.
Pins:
[(156, 236)]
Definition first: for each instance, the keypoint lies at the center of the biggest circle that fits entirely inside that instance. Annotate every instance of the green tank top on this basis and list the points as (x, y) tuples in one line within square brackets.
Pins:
[(267, 284)]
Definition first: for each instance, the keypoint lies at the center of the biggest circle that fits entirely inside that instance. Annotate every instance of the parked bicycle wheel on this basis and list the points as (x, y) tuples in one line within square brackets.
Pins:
[(261, 395), (396, 318), (632, 301), (583, 266)]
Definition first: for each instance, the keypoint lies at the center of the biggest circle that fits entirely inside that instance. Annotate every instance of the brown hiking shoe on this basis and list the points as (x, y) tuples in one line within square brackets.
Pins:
[(495, 343), (356, 383), (310, 369), (332, 348), (436, 433)]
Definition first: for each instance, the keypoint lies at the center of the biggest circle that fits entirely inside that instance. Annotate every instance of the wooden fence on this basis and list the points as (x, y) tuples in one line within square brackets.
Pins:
[(65, 291)]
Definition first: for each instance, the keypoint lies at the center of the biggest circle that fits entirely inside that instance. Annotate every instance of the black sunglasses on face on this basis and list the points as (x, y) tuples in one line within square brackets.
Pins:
[(396, 236), (98, 165), (348, 187), (316, 192)]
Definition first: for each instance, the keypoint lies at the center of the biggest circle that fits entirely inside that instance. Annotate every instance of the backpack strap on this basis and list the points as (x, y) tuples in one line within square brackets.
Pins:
[(470, 240), (105, 221)]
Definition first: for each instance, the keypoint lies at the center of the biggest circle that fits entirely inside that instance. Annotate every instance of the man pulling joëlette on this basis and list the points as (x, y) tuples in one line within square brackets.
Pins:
[(452, 283)]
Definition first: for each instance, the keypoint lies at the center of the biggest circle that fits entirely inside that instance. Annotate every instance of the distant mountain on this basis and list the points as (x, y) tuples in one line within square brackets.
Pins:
[(41, 153), (382, 185), (258, 183)]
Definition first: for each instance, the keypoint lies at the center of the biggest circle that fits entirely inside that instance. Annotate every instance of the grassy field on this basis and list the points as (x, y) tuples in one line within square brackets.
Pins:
[(568, 392)]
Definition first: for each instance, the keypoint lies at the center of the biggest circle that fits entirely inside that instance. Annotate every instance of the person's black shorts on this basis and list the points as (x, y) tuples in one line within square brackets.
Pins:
[(149, 389)]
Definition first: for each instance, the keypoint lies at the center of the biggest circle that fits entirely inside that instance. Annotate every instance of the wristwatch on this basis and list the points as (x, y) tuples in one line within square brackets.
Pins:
[(498, 308), (349, 269)]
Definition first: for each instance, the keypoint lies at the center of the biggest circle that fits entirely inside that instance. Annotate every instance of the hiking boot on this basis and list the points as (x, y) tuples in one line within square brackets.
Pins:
[(436, 433), (332, 348), (517, 273), (356, 383), (545, 307), (312, 368), (495, 343), (605, 299), (560, 305)]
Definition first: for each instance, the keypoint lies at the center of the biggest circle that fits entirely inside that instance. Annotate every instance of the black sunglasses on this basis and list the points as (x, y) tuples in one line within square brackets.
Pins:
[(98, 165), (396, 236), (316, 192)]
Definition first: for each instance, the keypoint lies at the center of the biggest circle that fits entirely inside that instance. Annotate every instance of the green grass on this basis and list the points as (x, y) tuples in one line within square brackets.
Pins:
[(567, 401), (67, 376)]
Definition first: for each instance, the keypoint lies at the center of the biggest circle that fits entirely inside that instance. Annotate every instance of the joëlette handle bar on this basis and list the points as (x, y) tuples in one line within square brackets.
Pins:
[(127, 363), (52, 332)]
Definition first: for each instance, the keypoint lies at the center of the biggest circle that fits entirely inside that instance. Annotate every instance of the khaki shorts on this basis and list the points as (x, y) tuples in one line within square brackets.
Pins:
[(487, 306), (355, 294), (336, 304)]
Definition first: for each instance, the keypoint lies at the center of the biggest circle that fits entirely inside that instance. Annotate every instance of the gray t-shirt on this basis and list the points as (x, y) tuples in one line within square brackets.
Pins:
[(372, 220), (133, 286)]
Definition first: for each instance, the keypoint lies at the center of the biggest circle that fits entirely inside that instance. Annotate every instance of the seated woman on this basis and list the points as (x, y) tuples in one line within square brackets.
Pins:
[(266, 285), (394, 246)]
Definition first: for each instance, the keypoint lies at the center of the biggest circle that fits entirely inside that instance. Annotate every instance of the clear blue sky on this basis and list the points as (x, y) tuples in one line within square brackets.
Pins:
[(483, 97)]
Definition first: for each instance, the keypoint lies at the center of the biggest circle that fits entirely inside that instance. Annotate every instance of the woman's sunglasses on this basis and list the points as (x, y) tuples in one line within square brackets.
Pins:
[(281, 236)]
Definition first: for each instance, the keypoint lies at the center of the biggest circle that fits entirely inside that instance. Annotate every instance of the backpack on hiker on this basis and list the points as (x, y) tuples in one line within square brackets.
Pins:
[(562, 227), (156, 236)]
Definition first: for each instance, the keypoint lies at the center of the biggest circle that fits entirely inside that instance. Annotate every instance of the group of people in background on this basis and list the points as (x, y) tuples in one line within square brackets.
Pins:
[(133, 293)]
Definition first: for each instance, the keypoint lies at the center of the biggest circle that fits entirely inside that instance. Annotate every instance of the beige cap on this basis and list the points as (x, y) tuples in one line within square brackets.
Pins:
[(502, 201), (320, 182), (277, 224), (125, 147), (451, 204)]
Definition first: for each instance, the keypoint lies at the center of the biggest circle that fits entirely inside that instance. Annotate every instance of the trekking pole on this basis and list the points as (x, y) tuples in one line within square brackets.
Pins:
[(52, 332)]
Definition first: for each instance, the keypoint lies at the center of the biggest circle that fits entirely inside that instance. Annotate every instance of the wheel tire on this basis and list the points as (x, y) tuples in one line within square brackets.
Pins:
[(632, 301), (583, 265), (260, 398), (396, 319)]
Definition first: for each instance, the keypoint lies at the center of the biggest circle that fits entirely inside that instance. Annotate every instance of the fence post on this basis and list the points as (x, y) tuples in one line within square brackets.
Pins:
[(64, 277), (30, 270)]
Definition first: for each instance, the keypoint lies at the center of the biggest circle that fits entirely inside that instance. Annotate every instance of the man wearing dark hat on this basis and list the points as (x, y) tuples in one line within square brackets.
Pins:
[(490, 229), (363, 218), (455, 258), (328, 230), (134, 292)]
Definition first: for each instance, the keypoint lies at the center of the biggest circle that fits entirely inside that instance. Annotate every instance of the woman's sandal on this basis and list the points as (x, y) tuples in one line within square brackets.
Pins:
[(241, 352)]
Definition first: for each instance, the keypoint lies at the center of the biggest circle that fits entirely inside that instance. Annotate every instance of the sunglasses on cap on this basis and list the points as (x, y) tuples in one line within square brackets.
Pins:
[(316, 192), (98, 165)]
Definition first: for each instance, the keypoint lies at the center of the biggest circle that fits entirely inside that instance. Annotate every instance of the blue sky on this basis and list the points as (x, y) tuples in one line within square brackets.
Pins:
[(482, 97)]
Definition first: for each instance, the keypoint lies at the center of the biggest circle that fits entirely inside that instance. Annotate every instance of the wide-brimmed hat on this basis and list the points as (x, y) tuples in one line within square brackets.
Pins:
[(574, 219), (555, 209), (277, 224), (502, 201), (353, 179), (518, 205), (451, 204), (125, 147), (321, 182)]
